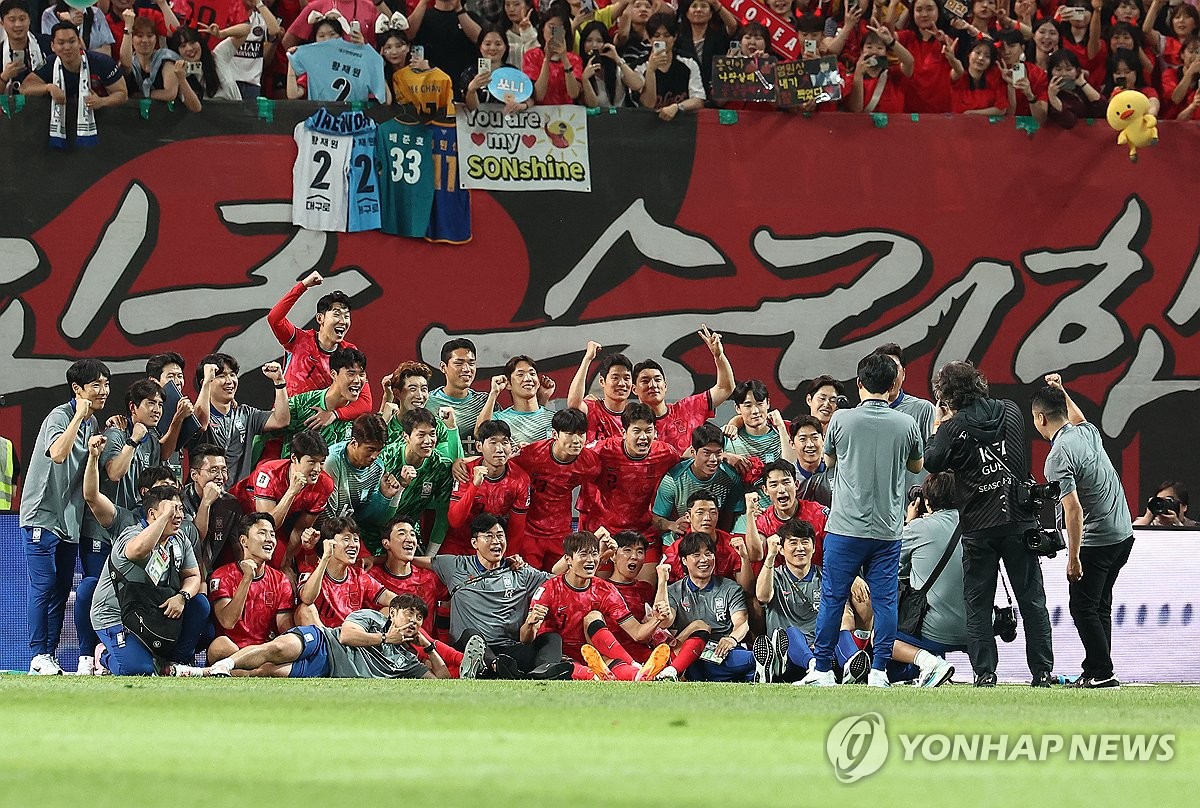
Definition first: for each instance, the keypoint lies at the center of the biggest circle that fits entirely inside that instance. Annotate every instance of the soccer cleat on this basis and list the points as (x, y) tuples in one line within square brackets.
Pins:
[(596, 663), (779, 642), (181, 671), (936, 675), (667, 674), (222, 668), (877, 678), (472, 661), (816, 678), (764, 661), (553, 670), (985, 680), (44, 665), (857, 668), (1087, 683), (87, 666), (506, 667), (655, 665)]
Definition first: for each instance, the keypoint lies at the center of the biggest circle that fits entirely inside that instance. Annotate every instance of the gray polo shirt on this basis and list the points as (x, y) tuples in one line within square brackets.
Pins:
[(167, 560), (715, 604), (794, 601), (124, 492), (52, 494), (1078, 462), (374, 662), (922, 412), (235, 433), (872, 444), (924, 541), (493, 603)]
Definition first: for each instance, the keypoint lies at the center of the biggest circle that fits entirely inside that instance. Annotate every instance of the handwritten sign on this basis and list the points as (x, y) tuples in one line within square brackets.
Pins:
[(541, 149), (743, 78), (810, 81), (510, 81)]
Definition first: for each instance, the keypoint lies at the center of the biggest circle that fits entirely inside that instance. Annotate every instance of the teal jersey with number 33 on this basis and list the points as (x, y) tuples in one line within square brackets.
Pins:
[(404, 162)]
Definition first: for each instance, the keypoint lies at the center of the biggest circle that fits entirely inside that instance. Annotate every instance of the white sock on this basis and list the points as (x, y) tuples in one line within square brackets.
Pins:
[(224, 666), (924, 659)]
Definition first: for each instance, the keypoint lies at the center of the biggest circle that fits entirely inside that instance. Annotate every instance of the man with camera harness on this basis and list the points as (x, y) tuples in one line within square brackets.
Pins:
[(1096, 516), (982, 440)]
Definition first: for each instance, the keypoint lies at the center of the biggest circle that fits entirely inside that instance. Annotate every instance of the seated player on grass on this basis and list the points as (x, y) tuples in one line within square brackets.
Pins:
[(791, 596), (576, 605), (368, 645), (337, 586), (251, 600)]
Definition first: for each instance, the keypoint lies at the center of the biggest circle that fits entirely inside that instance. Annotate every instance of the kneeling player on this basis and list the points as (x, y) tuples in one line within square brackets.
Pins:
[(367, 646), (575, 604), (251, 600)]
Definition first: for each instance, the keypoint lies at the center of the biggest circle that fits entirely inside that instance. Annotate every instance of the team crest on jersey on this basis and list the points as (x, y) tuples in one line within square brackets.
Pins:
[(214, 584), (427, 489), (719, 608), (262, 480)]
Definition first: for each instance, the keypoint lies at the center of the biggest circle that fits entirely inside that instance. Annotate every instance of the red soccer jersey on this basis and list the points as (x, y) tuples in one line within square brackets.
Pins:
[(337, 599), (270, 595), (568, 606), (627, 488), (675, 427), (814, 513), (638, 597), (551, 484), (506, 496), (420, 582), (307, 365), (603, 423), (728, 560), (270, 481)]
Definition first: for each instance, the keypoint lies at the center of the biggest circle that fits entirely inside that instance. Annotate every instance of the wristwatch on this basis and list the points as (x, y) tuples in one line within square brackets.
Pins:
[(131, 442), (185, 595)]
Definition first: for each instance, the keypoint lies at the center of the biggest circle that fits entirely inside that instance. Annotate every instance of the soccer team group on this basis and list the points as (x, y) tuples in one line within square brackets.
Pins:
[(431, 534)]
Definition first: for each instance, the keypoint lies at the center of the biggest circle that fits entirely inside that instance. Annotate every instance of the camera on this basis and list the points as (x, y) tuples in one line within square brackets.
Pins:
[(1044, 541), (915, 495), (1160, 505), (1004, 623), (1034, 496), (843, 403)]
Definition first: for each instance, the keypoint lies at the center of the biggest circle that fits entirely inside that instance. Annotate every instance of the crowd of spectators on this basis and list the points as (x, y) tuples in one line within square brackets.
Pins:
[(1055, 60)]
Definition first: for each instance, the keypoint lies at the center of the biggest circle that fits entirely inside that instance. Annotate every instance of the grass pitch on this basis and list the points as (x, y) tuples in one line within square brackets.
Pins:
[(241, 742)]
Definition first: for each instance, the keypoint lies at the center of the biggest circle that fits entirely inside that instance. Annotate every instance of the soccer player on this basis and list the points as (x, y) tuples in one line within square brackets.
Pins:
[(407, 388), (309, 351), (458, 365), (396, 573), (720, 604), (361, 488), (808, 445), (495, 486), (758, 436), (576, 604), (52, 509), (233, 425), (707, 471), (368, 645), (490, 600), (208, 505), (555, 467), (293, 490), (675, 422), (348, 367), (702, 516), (529, 419), (604, 414), (631, 468), (251, 600), (156, 553), (822, 399), (871, 446), (779, 484), (426, 477), (133, 446), (337, 586)]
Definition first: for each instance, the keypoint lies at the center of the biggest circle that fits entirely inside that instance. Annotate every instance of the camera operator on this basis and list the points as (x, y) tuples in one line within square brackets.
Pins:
[(1168, 507), (1096, 517), (971, 432)]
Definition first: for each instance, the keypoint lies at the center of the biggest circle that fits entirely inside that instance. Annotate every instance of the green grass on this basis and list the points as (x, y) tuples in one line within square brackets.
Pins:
[(241, 742)]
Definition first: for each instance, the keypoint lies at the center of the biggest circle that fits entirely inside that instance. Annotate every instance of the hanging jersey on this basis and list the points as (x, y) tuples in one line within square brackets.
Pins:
[(404, 160), (450, 218), (340, 71), (364, 182), (321, 195), (423, 96)]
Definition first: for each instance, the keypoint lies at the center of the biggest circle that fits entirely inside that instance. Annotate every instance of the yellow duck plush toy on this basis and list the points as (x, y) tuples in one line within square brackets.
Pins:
[(1127, 113)]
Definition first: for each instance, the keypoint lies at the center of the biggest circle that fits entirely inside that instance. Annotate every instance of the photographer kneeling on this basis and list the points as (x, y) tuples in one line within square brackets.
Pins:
[(972, 432), (1168, 507), (1096, 516)]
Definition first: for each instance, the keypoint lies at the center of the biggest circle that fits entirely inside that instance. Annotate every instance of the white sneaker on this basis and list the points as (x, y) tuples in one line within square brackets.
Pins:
[(936, 675), (878, 678), (764, 661), (222, 668), (472, 661), (44, 665), (87, 666), (667, 674), (184, 671), (779, 644), (816, 678)]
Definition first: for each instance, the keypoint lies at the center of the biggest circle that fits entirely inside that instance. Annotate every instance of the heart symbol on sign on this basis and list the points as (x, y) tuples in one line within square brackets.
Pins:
[(477, 138), (528, 140)]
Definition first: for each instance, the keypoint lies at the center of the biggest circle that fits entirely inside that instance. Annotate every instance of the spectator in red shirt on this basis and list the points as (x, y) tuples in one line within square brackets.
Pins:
[(1026, 94), (1186, 79), (1184, 23), (1130, 37), (554, 68), (929, 89), (251, 600), (811, 28), (980, 90), (1125, 73), (1081, 35), (1046, 40), (752, 39), (878, 87), (338, 586), (1070, 95)]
